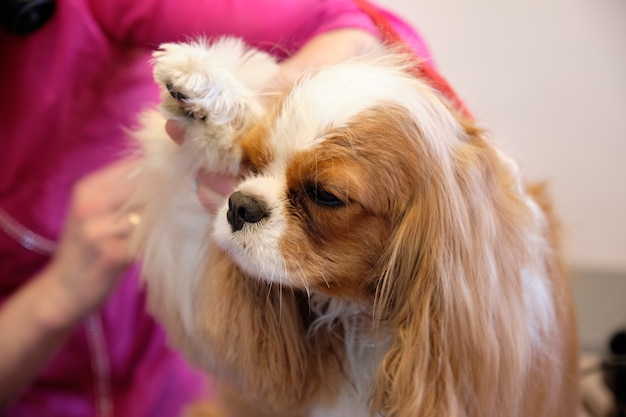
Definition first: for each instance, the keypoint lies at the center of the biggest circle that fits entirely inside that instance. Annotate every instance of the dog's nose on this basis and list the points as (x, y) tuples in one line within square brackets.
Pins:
[(244, 209)]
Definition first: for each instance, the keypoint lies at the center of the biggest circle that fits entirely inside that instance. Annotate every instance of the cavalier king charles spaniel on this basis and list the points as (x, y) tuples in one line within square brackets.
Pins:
[(379, 257)]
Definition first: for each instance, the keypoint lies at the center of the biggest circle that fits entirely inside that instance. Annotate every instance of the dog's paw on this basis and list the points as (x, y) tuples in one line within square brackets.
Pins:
[(213, 89), (198, 83)]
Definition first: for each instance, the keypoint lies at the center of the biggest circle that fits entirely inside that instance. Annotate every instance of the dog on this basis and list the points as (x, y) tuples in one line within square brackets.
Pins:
[(380, 255)]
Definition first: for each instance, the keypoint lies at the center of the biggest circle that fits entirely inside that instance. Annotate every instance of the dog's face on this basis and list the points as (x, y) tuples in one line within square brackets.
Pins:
[(365, 186), (333, 173)]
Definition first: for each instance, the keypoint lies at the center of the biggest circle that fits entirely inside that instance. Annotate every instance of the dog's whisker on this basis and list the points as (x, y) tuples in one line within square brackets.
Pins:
[(268, 297), (322, 273), (280, 302), (300, 275)]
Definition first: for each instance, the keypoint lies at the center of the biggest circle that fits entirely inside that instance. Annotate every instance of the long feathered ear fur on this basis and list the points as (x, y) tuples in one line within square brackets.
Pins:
[(467, 292), (259, 338)]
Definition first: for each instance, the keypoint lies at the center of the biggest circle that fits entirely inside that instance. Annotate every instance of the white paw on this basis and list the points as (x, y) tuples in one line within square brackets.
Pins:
[(216, 82), (214, 90)]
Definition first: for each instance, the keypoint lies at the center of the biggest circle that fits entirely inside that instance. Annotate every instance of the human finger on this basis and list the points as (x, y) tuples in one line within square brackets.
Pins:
[(110, 225), (213, 189), (105, 190), (175, 131)]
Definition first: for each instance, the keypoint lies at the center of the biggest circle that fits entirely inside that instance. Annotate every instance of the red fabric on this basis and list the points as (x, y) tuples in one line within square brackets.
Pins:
[(423, 69)]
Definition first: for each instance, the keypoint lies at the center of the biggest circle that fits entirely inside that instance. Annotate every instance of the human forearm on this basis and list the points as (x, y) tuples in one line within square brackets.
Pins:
[(327, 48), (91, 256), (32, 327)]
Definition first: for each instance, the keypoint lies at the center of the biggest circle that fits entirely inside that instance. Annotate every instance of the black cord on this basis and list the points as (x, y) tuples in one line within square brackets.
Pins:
[(22, 17)]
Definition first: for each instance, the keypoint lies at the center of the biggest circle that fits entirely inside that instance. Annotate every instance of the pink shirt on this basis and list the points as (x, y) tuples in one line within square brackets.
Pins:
[(68, 90)]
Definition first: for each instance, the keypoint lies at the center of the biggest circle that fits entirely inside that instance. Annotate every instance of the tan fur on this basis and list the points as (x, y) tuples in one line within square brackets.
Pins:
[(440, 272), (456, 322)]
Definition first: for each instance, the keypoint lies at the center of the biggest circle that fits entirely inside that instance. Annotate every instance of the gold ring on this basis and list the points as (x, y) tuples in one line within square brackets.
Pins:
[(134, 219)]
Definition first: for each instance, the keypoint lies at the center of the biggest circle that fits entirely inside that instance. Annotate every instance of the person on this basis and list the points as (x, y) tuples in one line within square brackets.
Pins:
[(75, 338)]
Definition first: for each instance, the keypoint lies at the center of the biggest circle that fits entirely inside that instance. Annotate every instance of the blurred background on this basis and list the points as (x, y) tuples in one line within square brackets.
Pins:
[(548, 80)]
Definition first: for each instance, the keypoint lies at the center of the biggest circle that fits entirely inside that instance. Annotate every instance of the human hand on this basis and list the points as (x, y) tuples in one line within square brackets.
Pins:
[(212, 188), (93, 251)]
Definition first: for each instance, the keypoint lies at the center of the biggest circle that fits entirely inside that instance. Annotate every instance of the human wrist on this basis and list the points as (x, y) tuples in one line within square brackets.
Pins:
[(328, 48), (57, 311)]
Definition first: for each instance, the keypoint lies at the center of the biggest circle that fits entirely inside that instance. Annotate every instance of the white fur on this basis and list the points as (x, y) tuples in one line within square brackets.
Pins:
[(223, 83), (255, 247), (319, 102), (536, 285), (365, 349), (537, 289)]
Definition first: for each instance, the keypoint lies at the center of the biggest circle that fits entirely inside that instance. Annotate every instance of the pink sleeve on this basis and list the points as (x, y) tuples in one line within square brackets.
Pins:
[(278, 25)]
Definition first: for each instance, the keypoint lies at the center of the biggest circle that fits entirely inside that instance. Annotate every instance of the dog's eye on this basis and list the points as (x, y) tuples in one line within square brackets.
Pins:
[(323, 197)]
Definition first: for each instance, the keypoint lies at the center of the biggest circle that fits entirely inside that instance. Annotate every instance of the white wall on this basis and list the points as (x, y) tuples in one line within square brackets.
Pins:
[(548, 78)]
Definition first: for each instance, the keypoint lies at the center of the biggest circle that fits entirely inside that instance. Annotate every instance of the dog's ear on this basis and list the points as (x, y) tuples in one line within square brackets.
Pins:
[(452, 292), (256, 331)]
